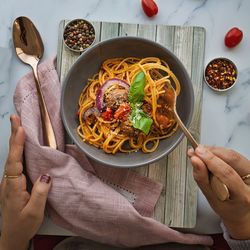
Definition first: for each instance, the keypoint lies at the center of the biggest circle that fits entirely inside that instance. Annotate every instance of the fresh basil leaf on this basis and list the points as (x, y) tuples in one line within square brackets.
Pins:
[(140, 120), (145, 124), (136, 91)]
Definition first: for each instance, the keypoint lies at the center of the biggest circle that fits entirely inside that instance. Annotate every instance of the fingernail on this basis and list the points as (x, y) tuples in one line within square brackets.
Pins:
[(45, 178), (200, 150), (190, 152)]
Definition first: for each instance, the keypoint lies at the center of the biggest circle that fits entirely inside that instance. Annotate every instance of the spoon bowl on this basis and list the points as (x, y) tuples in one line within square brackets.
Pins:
[(29, 49), (27, 40)]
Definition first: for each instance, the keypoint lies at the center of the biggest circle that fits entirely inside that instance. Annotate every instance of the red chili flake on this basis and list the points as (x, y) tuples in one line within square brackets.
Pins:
[(221, 73)]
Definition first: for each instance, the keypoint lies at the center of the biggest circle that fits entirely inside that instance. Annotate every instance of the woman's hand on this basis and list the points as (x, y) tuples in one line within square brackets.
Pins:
[(229, 166), (22, 213)]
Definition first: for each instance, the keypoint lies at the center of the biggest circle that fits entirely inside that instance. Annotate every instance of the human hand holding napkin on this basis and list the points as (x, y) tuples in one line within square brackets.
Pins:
[(22, 213), (104, 204)]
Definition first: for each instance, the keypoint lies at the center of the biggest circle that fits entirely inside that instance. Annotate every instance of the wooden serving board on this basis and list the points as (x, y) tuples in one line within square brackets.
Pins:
[(177, 204)]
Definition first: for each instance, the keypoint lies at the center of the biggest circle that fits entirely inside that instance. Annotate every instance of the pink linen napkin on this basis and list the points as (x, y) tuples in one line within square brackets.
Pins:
[(100, 203)]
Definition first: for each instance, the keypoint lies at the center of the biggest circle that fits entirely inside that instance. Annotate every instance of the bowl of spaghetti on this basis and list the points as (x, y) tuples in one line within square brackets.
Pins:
[(114, 102)]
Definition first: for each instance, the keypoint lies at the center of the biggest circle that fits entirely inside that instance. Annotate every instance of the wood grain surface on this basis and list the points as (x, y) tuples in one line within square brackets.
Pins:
[(177, 204)]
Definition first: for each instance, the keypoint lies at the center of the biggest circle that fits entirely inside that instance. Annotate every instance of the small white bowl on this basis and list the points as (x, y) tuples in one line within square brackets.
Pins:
[(81, 35), (235, 76)]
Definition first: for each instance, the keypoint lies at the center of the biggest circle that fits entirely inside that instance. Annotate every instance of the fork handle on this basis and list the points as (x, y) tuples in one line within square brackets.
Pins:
[(189, 136), (219, 188), (48, 132)]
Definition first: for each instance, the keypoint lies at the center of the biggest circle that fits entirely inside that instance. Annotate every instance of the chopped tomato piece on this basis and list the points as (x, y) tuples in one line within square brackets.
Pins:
[(163, 120), (122, 112), (108, 114)]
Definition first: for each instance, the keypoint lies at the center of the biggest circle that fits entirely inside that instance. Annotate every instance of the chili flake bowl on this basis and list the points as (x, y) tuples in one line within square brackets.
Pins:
[(79, 35), (220, 74)]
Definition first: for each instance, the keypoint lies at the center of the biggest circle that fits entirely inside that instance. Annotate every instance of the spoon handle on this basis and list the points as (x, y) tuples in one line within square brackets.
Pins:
[(49, 135), (217, 186)]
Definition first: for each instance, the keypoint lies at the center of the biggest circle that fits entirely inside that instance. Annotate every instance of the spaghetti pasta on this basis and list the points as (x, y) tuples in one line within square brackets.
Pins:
[(108, 119)]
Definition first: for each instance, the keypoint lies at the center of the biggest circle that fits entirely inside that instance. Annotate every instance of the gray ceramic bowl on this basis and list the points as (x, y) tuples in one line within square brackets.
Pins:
[(89, 63)]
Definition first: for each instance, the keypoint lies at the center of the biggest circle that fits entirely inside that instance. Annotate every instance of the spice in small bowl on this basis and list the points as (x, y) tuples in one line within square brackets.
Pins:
[(220, 74), (78, 35)]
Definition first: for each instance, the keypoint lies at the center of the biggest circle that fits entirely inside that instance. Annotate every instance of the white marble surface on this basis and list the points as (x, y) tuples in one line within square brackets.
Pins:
[(225, 118)]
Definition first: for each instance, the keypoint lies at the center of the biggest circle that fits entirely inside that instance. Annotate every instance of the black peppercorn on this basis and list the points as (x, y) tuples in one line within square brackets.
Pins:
[(78, 35)]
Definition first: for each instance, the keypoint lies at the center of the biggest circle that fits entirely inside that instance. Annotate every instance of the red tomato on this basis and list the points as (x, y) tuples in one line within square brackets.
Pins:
[(122, 112), (108, 114), (150, 7), (233, 37)]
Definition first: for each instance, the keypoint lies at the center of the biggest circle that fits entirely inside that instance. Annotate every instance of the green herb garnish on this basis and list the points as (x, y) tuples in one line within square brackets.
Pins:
[(140, 120), (136, 91)]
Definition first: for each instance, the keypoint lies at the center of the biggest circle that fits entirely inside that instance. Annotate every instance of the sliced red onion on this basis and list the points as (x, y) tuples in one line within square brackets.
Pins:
[(91, 111), (104, 87)]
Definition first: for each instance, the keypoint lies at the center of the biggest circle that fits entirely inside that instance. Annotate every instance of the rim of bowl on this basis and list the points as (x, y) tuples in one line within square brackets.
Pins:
[(226, 59), (70, 22), (128, 164)]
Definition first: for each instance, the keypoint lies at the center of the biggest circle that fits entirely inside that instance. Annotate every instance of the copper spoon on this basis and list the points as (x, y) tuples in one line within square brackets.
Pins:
[(217, 186), (29, 49)]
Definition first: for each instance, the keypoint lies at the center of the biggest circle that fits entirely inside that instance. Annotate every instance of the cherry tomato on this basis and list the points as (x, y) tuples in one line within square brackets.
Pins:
[(233, 37), (150, 7), (122, 112), (108, 114)]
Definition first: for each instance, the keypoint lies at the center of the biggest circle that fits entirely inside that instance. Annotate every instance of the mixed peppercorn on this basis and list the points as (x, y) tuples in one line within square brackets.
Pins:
[(221, 73), (79, 35)]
